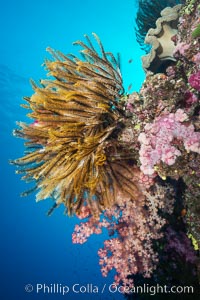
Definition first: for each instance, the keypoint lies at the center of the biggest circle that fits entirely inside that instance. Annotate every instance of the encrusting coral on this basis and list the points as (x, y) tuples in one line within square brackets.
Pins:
[(147, 14), (160, 39), (127, 163)]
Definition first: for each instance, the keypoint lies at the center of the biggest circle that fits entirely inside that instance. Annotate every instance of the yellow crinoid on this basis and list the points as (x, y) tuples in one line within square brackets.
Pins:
[(72, 152)]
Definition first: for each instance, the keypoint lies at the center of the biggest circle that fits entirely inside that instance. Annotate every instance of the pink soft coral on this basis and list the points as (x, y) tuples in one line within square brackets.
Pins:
[(157, 141), (132, 227), (194, 81)]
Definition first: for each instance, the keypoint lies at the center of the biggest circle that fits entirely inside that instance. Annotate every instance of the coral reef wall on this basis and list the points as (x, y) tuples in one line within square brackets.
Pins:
[(126, 163)]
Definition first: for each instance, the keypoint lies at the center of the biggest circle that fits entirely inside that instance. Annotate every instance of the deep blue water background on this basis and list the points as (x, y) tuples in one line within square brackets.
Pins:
[(35, 248)]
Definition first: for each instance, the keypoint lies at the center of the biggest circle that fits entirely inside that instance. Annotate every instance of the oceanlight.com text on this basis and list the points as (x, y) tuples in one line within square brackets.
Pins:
[(152, 289), (89, 288)]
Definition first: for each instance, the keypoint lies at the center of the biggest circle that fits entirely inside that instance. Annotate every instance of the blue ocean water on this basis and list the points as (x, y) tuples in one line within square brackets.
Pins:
[(36, 249)]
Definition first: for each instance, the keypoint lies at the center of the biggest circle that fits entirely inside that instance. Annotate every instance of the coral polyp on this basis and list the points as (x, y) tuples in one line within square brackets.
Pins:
[(77, 116)]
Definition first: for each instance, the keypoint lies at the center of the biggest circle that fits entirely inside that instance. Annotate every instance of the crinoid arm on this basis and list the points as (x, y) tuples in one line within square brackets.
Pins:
[(75, 115)]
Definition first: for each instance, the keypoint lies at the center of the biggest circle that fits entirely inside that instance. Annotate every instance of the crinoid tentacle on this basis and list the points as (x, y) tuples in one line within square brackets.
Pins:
[(75, 114)]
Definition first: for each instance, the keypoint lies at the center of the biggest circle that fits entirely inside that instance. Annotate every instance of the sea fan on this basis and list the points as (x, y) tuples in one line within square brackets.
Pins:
[(72, 151)]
